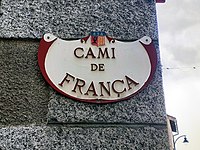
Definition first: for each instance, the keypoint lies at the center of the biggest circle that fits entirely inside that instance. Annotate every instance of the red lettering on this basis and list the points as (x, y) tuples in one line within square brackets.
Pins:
[(66, 79), (113, 53), (77, 54), (114, 87), (79, 84), (91, 89), (103, 53), (90, 53), (130, 81), (106, 89)]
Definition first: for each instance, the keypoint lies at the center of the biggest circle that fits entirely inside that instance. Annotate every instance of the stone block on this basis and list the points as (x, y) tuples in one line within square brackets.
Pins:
[(84, 138), (123, 19), (24, 94)]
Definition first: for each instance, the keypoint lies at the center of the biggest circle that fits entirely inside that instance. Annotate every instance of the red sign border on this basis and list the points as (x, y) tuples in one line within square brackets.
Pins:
[(43, 49)]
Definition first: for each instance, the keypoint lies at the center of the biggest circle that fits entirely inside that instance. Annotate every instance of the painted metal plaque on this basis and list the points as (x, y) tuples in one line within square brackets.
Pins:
[(97, 68)]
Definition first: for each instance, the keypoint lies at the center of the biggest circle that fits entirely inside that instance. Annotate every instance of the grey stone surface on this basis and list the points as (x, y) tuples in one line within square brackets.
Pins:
[(26, 99), (146, 107), (123, 19), (23, 93), (83, 138)]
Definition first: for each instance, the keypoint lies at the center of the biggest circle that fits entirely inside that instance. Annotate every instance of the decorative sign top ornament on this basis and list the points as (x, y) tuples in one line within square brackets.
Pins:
[(97, 68)]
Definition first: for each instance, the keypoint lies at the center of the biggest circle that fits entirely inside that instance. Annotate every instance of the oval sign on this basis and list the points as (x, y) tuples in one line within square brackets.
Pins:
[(97, 68)]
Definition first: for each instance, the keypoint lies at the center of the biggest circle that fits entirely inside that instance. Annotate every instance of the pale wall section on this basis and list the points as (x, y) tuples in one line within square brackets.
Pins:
[(123, 19), (82, 138), (26, 100)]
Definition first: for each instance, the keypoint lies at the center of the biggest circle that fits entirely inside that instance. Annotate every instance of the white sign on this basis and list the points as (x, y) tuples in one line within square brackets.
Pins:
[(97, 69)]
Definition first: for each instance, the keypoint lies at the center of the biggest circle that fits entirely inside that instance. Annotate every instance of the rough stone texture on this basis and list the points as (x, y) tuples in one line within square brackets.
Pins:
[(80, 138), (24, 95), (124, 19), (146, 107), (25, 98)]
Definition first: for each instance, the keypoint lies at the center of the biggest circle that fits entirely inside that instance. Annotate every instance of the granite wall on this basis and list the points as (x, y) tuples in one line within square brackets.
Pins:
[(34, 116)]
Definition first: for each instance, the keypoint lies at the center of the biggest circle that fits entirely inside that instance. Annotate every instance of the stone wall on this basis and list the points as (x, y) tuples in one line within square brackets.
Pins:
[(34, 116)]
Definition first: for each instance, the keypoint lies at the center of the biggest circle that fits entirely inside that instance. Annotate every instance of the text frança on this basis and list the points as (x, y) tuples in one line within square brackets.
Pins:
[(105, 88)]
